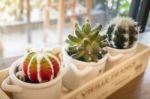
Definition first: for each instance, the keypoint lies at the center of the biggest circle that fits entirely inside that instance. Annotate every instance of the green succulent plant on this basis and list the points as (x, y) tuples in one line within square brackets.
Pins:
[(86, 44), (122, 33)]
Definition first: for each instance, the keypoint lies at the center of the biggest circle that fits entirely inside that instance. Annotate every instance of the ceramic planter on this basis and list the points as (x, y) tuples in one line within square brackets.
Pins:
[(123, 53), (24, 90), (80, 72)]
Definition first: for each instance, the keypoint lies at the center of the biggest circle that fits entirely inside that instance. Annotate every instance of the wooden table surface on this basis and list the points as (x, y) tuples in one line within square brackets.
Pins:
[(139, 88)]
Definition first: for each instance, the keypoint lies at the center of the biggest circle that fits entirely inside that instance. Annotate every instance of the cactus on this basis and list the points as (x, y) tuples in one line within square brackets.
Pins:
[(86, 44), (39, 66), (122, 33)]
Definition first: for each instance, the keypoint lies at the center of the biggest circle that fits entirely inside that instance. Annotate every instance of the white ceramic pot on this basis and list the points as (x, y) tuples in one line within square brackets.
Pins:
[(80, 72), (24, 90), (123, 53)]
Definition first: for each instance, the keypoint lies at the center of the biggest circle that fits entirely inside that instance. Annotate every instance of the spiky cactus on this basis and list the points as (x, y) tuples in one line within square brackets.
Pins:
[(86, 44), (122, 32), (39, 66)]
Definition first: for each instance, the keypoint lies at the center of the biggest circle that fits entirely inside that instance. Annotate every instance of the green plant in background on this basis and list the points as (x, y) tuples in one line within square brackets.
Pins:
[(8, 10), (122, 33), (16, 10), (116, 7), (124, 7), (86, 44)]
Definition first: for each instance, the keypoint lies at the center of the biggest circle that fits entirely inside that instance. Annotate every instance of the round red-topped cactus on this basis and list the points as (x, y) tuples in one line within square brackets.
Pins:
[(41, 66)]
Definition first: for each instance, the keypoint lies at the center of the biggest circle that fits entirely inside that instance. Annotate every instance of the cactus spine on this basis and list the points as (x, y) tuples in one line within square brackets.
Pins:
[(86, 44), (122, 33), (39, 66)]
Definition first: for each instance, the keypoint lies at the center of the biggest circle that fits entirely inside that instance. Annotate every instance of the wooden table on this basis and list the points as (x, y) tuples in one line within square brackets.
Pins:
[(139, 88)]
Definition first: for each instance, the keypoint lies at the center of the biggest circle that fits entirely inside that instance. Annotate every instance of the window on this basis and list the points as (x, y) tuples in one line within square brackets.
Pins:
[(21, 21)]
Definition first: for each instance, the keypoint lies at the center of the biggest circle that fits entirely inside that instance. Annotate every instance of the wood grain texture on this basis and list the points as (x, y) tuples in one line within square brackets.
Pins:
[(2, 95), (138, 88)]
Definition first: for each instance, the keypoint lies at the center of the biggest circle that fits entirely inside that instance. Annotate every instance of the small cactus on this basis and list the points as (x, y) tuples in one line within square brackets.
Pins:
[(39, 66), (86, 44), (122, 33)]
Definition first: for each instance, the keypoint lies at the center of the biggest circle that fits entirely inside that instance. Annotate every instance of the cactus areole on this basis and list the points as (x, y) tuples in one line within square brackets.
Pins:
[(40, 66), (122, 33), (86, 44)]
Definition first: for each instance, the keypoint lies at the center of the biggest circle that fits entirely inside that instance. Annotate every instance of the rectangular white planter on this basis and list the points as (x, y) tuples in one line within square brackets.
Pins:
[(108, 82)]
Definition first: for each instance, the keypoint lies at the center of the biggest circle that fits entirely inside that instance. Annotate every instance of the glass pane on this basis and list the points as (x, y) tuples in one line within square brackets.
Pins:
[(148, 24), (22, 21), (108, 9)]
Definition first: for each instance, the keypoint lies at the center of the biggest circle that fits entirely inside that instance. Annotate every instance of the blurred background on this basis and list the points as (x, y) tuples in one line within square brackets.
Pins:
[(43, 23)]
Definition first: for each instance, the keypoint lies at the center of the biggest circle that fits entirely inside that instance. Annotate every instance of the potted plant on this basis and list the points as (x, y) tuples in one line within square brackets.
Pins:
[(122, 34), (84, 54), (37, 75)]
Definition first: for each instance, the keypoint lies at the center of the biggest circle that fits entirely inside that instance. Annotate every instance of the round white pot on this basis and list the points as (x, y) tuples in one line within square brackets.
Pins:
[(80, 72), (24, 90), (124, 54)]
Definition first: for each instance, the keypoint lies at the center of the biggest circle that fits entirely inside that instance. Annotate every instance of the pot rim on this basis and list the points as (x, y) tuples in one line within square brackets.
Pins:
[(123, 50), (32, 85)]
